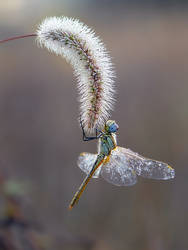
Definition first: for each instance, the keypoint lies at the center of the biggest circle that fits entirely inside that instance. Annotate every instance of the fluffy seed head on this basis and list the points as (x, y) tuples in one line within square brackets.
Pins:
[(91, 63)]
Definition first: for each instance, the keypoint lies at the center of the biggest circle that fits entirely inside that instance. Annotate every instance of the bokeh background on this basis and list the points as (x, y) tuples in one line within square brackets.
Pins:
[(40, 138)]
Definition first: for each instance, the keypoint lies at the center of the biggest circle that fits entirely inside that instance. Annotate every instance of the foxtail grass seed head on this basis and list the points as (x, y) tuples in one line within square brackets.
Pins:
[(92, 66)]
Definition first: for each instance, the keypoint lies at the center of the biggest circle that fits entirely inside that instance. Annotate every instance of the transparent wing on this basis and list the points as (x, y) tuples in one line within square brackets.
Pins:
[(148, 168), (117, 170), (86, 162)]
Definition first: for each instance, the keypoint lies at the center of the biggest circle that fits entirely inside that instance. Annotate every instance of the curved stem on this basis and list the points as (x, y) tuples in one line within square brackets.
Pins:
[(16, 37)]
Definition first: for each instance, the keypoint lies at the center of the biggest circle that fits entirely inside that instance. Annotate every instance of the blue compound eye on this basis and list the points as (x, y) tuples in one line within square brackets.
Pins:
[(113, 128)]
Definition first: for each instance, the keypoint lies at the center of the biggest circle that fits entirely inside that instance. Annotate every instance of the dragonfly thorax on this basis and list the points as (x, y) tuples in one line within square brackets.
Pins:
[(107, 140), (107, 143)]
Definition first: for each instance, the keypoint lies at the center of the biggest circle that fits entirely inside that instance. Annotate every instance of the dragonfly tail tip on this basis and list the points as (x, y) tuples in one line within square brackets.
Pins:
[(70, 207)]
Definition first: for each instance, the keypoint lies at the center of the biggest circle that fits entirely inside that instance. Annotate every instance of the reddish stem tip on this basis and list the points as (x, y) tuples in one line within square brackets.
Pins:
[(16, 37)]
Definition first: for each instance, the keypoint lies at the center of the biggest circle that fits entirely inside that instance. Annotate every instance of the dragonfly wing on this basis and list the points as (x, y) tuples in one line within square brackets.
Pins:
[(116, 169), (148, 168), (85, 163)]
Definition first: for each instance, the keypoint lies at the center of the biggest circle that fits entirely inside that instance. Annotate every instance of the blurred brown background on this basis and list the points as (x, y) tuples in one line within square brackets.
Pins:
[(40, 138)]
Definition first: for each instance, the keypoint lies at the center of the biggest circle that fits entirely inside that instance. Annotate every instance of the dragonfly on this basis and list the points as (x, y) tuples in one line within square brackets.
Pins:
[(117, 165)]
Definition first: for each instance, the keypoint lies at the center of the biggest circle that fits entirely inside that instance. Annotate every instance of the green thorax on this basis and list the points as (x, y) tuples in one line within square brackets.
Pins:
[(107, 142)]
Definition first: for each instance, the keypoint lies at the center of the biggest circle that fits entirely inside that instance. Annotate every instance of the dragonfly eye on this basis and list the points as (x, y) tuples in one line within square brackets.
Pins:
[(113, 128)]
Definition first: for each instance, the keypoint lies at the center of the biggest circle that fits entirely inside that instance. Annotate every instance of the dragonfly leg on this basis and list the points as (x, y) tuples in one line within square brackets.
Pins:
[(88, 138)]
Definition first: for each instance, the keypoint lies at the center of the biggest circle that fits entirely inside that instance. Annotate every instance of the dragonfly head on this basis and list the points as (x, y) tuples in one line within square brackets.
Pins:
[(111, 126)]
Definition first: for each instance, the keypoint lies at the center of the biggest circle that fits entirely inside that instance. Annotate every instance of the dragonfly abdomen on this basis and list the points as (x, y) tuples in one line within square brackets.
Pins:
[(98, 162)]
